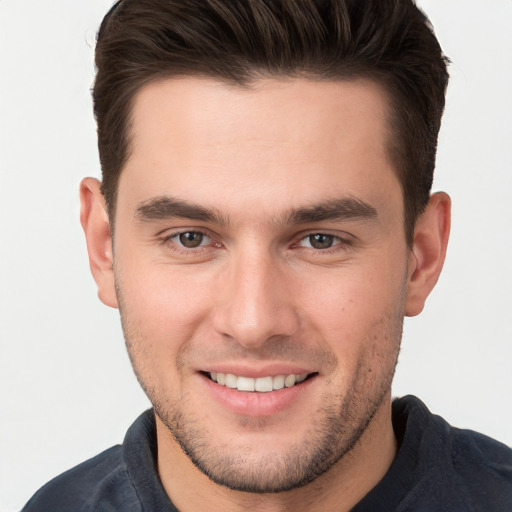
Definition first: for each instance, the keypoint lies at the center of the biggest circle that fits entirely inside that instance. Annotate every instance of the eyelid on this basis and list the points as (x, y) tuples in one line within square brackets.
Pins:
[(179, 233), (342, 241), (170, 232), (342, 235), (166, 237), (335, 237)]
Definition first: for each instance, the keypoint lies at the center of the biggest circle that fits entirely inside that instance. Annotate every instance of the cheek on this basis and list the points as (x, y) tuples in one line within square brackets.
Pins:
[(161, 310), (164, 298), (356, 306)]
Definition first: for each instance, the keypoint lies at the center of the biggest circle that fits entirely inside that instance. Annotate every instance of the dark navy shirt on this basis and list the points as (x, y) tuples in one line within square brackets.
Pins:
[(437, 468)]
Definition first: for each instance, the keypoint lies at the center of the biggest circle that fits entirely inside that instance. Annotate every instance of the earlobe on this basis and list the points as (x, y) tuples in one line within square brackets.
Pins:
[(95, 223), (428, 252)]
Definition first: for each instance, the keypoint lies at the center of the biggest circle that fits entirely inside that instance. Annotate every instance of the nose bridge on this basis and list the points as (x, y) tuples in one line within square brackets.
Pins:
[(254, 304)]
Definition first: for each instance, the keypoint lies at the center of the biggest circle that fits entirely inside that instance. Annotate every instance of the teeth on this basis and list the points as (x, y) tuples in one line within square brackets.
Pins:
[(261, 384), (278, 381), (245, 384), (290, 381), (231, 380)]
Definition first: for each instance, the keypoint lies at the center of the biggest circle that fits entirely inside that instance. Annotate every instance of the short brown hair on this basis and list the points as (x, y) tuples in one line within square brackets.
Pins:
[(239, 41)]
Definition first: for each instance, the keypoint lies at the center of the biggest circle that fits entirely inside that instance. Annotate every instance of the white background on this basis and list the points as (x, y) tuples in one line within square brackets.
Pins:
[(67, 388)]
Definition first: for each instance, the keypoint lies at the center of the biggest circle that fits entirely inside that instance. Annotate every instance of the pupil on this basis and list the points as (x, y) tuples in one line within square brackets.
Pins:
[(191, 239), (320, 241)]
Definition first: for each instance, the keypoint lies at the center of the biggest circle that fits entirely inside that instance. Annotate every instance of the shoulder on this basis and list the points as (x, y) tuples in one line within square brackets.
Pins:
[(459, 444), (466, 467), (103, 478), (483, 465)]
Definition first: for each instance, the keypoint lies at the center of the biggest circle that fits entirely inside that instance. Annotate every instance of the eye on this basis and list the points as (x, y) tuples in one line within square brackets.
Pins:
[(191, 239), (320, 241)]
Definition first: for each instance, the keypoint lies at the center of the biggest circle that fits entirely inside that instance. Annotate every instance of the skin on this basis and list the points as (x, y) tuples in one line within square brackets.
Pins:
[(251, 173)]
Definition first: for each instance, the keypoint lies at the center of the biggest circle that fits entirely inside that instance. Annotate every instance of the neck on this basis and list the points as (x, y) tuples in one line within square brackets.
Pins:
[(339, 489)]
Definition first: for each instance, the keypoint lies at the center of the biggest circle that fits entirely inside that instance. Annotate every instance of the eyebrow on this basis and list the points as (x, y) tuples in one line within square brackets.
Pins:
[(165, 207), (346, 208)]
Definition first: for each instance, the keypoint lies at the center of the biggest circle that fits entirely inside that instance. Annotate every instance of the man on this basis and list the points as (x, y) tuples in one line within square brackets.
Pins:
[(264, 224)]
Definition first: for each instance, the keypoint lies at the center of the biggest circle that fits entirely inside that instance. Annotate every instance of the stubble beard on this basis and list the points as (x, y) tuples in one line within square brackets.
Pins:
[(342, 419), (323, 446)]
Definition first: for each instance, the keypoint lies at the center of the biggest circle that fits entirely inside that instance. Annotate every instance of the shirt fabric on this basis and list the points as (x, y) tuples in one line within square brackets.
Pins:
[(437, 468)]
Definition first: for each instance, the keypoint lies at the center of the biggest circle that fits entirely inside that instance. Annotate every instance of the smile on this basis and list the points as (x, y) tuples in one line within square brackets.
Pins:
[(260, 384)]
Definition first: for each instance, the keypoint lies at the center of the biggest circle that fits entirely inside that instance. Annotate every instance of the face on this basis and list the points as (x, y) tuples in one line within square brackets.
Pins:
[(261, 271)]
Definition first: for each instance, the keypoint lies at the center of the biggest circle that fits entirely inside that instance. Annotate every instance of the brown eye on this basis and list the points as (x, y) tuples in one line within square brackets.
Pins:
[(321, 241), (191, 239)]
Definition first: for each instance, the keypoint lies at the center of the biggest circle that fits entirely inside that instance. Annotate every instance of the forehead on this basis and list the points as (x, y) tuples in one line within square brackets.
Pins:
[(294, 140)]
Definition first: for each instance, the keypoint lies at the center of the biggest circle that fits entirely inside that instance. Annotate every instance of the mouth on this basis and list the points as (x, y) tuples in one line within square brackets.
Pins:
[(259, 384)]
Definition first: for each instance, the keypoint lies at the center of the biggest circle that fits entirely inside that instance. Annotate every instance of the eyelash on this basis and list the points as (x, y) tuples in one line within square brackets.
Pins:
[(177, 247), (339, 243)]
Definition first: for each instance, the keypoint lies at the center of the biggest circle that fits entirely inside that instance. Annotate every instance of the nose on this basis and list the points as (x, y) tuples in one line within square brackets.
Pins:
[(255, 303)]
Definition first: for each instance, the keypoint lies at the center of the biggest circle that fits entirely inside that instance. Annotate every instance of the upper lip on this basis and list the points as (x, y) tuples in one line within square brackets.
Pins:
[(253, 371)]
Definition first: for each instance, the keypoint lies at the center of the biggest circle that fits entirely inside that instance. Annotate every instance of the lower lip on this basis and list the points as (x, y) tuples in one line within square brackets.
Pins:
[(247, 403)]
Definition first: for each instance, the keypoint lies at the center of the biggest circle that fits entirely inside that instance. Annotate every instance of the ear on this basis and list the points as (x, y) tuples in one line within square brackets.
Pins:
[(95, 223), (428, 252)]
